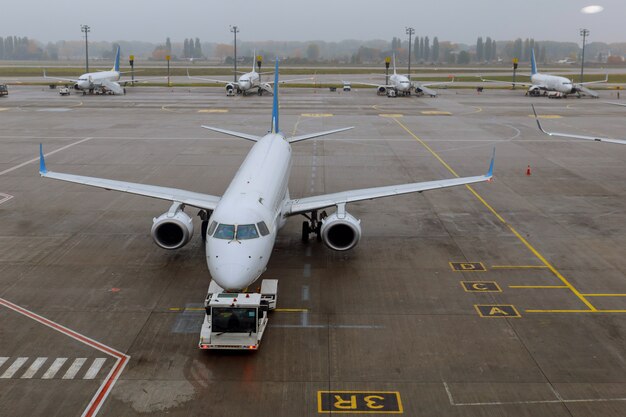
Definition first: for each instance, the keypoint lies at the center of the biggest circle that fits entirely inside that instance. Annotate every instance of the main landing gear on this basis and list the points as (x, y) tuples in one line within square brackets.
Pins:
[(313, 225)]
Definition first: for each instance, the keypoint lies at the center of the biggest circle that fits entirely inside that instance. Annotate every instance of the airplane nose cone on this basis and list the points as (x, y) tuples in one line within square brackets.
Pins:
[(232, 276)]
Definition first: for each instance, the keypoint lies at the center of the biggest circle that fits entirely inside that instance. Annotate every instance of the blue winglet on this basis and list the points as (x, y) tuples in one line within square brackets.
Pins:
[(275, 106), (42, 161), (491, 164)]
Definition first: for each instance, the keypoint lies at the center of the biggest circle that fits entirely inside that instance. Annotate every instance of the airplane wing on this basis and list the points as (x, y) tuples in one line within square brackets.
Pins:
[(212, 80), (113, 86), (139, 80), (509, 82), (307, 204), (606, 80), (570, 135), (418, 84), (203, 201), (58, 78), (290, 81), (581, 88)]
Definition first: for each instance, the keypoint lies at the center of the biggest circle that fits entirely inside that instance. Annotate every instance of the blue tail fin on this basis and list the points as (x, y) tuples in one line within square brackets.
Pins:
[(533, 63), (275, 106), (116, 65)]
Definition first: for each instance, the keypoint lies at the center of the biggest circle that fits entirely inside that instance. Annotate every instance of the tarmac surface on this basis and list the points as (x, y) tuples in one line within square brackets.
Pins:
[(505, 298)]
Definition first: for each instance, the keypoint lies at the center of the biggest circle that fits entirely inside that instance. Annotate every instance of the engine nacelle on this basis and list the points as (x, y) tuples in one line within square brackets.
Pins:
[(230, 87), (341, 232), (172, 230), (381, 90)]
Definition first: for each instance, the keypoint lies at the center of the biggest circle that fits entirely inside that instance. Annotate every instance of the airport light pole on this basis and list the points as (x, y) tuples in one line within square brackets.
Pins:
[(410, 32), (235, 30), (86, 29), (387, 62), (584, 33)]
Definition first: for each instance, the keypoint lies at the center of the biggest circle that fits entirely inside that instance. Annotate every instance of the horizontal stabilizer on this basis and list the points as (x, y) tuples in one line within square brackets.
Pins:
[(318, 134), (246, 136)]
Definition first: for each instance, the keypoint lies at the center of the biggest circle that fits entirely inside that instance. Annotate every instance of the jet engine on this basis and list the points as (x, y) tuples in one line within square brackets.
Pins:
[(340, 232), (172, 229), (381, 90), (230, 88)]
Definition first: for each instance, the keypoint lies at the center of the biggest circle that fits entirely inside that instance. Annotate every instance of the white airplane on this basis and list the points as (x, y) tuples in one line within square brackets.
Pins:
[(245, 220), (402, 84), (103, 81), (248, 81), (573, 136), (542, 83)]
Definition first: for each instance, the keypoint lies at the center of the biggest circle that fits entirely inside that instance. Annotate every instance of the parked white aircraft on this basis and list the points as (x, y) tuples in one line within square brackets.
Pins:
[(97, 80), (102, 81), (402, 84), (244, 222), (542, 83), (573, 136), (247, 82)]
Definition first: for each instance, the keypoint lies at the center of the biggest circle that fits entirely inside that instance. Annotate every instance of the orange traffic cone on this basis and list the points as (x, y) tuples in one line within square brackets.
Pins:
[(528, 170)]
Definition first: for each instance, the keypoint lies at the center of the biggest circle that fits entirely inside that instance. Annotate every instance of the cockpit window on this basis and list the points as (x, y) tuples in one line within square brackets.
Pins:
[(225, 231), (212, 228), (246, 231), (263, 228)]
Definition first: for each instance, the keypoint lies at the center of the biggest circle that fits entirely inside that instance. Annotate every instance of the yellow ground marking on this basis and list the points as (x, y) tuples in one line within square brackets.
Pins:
[(316, 115), (3, 109), (499, 217), (478, 110), (295, 126), (546, 116), (604, 295), (213, 111), (596, 311), (517, 266), (538, 286), (393, 116), (436, 113)]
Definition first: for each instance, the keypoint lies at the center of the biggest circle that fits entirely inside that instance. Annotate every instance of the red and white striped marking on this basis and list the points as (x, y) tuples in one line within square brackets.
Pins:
[(107, 385)]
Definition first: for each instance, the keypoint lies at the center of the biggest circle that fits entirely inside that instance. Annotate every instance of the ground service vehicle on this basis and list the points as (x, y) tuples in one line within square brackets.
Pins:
[(4, 91), (237, 320)]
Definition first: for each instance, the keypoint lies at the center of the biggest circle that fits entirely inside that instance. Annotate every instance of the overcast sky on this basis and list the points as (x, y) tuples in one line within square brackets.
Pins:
[(328, 20)]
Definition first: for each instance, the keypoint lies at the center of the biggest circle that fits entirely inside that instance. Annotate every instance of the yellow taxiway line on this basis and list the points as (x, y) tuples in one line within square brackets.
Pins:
[(509, 226), (538, 286), (517, 266)]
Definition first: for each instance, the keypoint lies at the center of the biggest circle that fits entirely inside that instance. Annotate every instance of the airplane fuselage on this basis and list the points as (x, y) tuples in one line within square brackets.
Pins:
[(248, 81), (401, 83), (237, 251), (94, 79), (553, 83)]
